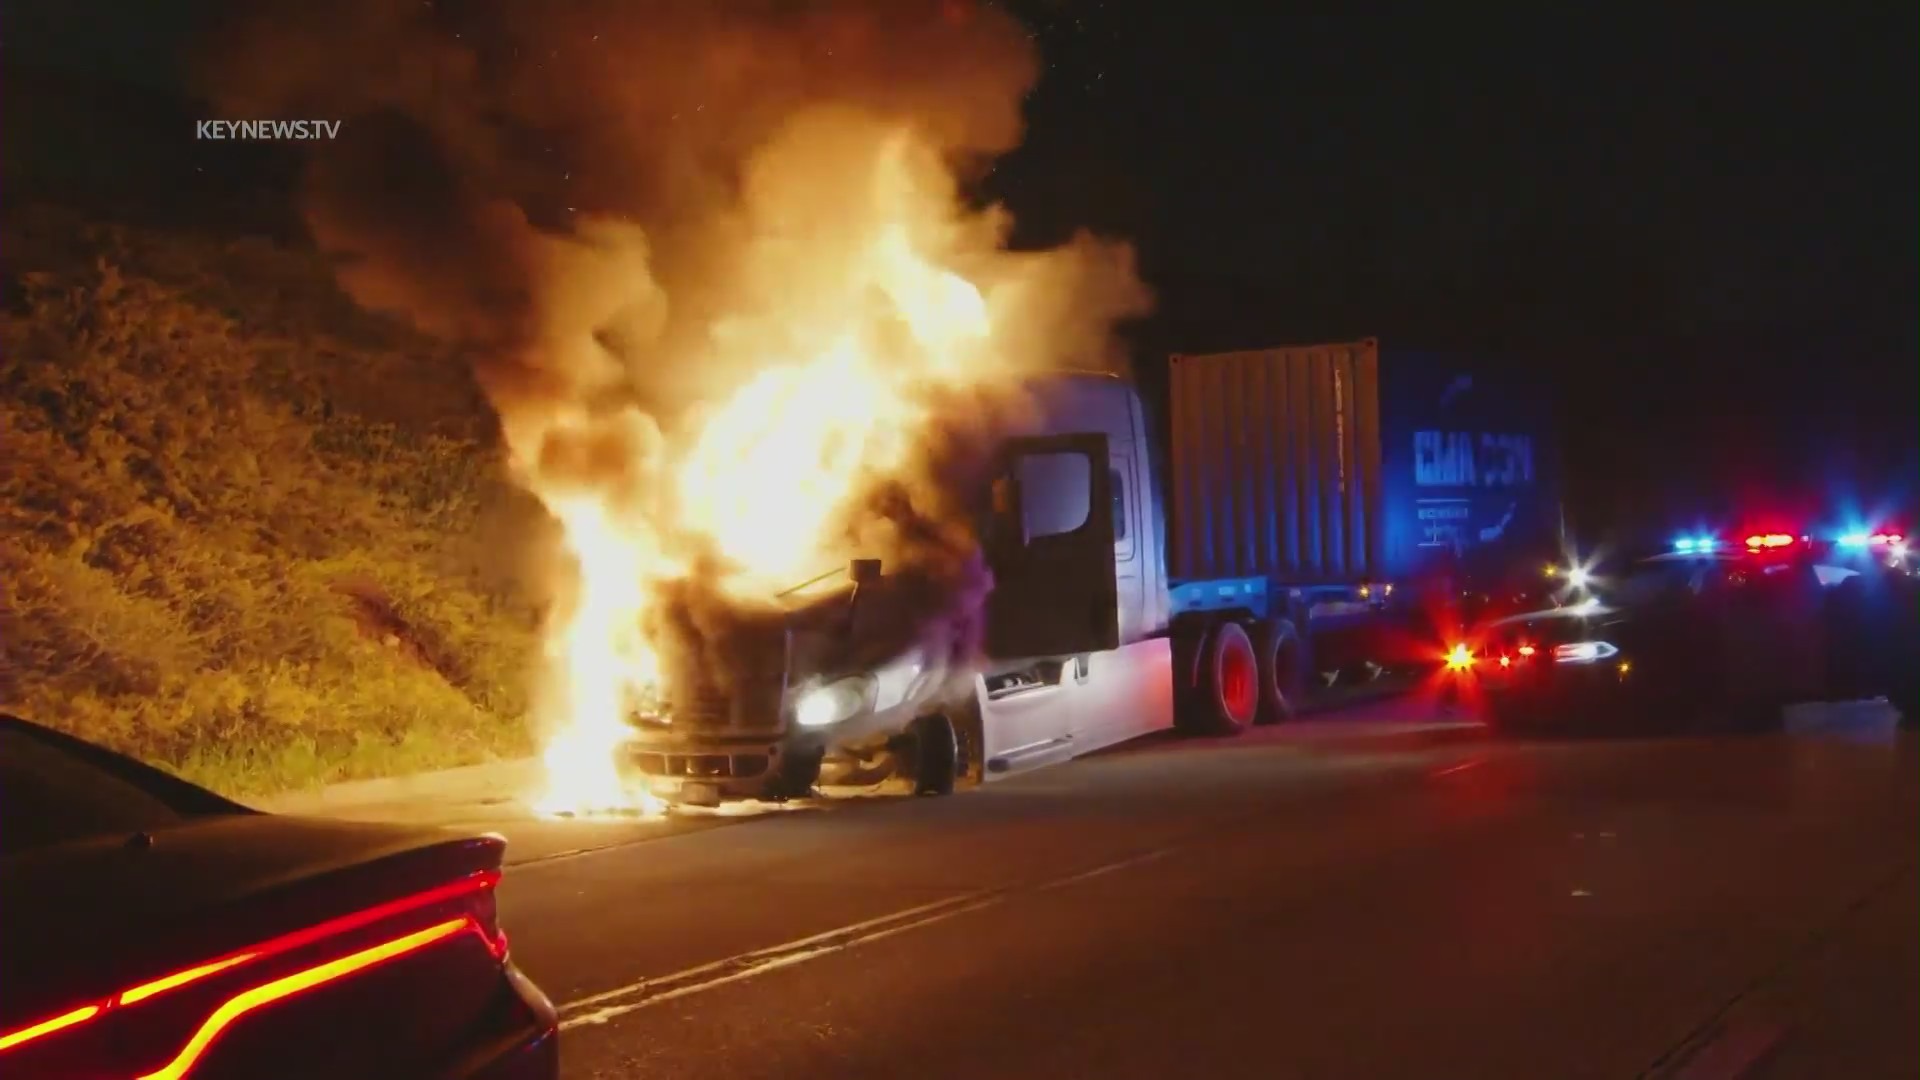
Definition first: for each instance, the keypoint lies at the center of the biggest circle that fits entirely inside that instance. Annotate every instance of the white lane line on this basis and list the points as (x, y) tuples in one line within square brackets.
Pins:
[(1109, 868), (1734, 1053), (647, 992), (611, 1004)]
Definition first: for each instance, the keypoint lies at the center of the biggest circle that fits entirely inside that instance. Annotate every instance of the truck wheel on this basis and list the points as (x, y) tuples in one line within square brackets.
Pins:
[(795, 773), (936, 755), (1227, 695), (1277, 647)]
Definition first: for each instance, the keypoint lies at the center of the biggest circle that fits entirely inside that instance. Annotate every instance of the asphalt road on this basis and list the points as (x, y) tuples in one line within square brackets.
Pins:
[(1352, 899)]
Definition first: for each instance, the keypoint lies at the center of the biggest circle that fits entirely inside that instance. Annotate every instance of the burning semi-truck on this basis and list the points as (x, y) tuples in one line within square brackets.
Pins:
[(1313, 499)]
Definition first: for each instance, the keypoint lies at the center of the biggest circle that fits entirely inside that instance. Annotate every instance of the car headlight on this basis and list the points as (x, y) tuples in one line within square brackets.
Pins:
[(822, 706), (1584, 652)]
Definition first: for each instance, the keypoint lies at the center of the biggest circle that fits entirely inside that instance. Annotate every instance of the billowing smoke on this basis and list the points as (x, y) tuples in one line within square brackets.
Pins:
[(662, 227)]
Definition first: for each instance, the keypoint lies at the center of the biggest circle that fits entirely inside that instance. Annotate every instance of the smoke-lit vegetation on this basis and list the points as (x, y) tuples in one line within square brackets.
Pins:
[(245, 524)]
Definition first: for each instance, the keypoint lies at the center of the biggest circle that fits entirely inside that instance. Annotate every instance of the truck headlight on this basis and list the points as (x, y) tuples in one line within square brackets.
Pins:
[(834, 702)]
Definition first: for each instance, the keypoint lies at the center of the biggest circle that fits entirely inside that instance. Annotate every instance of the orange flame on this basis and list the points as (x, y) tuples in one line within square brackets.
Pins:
[(864, 315)]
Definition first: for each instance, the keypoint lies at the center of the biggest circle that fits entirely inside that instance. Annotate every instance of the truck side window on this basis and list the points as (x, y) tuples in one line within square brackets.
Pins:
[(1119, 507)]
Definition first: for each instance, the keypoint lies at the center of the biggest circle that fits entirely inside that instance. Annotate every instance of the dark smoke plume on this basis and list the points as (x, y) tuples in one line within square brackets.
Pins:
[(575, 190)]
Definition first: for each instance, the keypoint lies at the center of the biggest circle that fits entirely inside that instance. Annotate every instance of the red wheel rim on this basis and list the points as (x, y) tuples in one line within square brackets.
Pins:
[(1236, 681)]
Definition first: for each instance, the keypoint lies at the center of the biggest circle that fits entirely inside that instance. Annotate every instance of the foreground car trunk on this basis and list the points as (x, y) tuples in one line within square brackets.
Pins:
[(247, 945)]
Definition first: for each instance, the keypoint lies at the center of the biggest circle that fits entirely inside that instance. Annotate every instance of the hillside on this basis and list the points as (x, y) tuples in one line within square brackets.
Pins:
[(244, 527)]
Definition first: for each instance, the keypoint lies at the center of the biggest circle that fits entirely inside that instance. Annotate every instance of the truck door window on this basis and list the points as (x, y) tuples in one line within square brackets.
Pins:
[(1054, 493)]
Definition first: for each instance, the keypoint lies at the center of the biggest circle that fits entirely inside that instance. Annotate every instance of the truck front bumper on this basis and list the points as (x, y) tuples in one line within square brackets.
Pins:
[(706, 771)]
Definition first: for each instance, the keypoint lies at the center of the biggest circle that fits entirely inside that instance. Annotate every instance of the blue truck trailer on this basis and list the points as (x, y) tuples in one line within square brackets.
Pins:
[(1354, 492)]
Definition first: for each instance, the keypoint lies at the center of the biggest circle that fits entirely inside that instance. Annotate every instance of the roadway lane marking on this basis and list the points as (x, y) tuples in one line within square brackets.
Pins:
[(612, 1004), (1121, 864), (1734, 1053), (1460, 768)]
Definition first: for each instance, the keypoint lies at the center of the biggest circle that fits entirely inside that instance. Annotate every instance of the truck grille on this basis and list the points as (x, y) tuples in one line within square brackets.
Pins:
[(747, 704), (702, 766), (707, 708)]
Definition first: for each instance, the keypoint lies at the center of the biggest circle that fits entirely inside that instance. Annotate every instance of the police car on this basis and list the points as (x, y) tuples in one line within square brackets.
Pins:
[(1712, 633)]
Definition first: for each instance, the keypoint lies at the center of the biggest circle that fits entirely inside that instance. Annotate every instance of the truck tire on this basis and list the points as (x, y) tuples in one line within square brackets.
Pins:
[(936, 759), (795, 773), (1226, 694), (1277, 648)]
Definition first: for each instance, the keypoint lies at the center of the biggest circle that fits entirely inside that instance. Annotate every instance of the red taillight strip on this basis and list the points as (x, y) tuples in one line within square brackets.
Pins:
[(49, 1026), (453, 890), (266, 994), (181, 978)]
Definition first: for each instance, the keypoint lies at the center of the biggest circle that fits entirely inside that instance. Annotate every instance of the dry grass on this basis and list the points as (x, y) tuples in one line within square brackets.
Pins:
[(240, 519)]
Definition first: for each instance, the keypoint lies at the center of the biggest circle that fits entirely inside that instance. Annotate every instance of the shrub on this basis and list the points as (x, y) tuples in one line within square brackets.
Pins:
[(218, 554)]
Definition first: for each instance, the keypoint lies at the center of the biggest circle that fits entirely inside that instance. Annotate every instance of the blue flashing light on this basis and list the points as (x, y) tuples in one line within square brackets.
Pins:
[(1689, 545), (1855, 540)]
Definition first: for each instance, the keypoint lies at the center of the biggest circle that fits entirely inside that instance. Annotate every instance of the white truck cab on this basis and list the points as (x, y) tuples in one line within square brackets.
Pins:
[(1077, 653)]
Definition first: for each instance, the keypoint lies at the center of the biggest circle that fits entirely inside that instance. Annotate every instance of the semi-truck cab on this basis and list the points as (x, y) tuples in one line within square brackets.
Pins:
[(1087, 639)]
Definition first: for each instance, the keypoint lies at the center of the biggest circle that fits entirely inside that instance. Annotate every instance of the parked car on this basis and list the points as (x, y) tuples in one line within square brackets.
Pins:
[(154, 929)]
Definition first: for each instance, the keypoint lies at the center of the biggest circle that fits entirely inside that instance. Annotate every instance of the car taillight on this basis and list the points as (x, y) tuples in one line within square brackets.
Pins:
[(1526, 650), (240, 982)]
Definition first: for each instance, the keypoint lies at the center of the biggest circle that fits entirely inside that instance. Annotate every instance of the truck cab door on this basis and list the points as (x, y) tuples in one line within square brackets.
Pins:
[(1049, 543)]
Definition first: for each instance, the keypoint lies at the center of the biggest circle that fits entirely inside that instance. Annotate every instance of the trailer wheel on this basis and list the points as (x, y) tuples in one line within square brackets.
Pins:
[(1277, 647), (1226, 696), (936, 755)]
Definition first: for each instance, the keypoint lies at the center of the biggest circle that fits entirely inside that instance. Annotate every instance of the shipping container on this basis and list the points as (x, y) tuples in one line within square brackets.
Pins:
[(1276, 467), (1338, 463), (1471, 467)]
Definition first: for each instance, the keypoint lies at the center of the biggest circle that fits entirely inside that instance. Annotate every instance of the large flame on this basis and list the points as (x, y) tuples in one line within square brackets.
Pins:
[(715, 275), (763, 482)]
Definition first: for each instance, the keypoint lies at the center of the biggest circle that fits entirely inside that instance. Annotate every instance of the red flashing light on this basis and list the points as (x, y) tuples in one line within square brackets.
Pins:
[(286, 986), (1768, 540), (1885, 539), (1525, 650)]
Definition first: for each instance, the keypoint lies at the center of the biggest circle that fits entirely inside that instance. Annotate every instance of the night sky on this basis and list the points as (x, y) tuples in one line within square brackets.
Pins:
[(1697, 220)]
